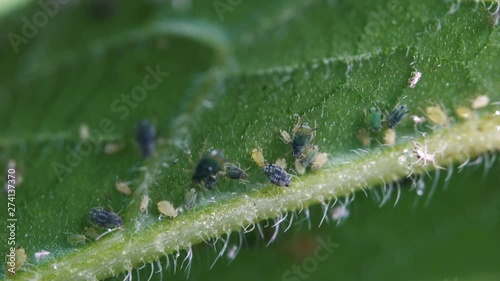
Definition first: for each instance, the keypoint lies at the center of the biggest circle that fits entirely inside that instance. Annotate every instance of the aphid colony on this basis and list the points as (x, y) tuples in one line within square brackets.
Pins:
[(212, 165), (374, 119), (301, 143)]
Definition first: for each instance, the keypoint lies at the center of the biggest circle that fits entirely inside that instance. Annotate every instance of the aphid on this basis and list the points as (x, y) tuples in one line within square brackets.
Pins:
[(299, 168), (341, 213), (190, 198), (146, 138), (210, 181), (167, 209), (363, 137), (15, 263), (464, 112), (235, 173), (397, 115), (103, 218), (422, 154), (112, 148), (258, 157), (436, 115), (281, 162), (41, 255), (231, 253), (390, 136), (480, 102), (277, 175), (302, 136), (210, 164), (144, 203), (418, 120), (123, 188), (374, 119), (415, 77), (84, 132), (320, 160), (309, 156), (75, 238), (90, 232)]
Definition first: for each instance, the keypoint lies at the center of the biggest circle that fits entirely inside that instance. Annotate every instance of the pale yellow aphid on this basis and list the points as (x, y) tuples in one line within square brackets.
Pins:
[(436, 115), (281, 162), (167, 209), (363, 137), (112, 147), (464, 112), (90, 232), (480, 102), (84, 132), (320, 160), (258, 157), (75, 238), (123, 188), (390, 136), (15, 263), (144, 203)]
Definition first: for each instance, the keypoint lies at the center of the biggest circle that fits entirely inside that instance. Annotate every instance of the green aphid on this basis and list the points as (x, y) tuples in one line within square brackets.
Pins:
[(374, 119), (308, 156), (190, 198), (209, 166), (301, 138), (75, 238)]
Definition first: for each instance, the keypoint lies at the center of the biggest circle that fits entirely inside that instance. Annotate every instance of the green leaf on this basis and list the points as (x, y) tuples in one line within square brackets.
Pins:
[(232, 81)]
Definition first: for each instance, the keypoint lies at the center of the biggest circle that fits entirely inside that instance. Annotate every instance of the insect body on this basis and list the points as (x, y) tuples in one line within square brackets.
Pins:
[(258, 157), (123, 188), (103, 218), (190, 198), (397, 115), (16, 261), (235, 173), (211, 181), (436, 115), (277, 175), (374, 119), (302, 136), (75, 238), (309, 156), (166, 209), (145, 137), (208, 167), (144, 203), (415, 77), (480, 102)]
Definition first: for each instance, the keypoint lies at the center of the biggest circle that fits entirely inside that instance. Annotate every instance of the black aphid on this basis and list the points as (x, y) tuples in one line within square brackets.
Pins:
[(209, 165), (211, 181), (103, 218), (277, 175), (146, 138), (397, 115), (235, 173)]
